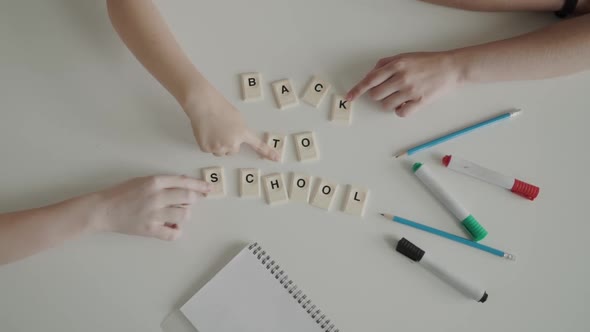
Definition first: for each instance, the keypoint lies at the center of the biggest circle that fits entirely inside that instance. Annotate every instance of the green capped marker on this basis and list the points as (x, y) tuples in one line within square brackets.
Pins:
[(423, 173)]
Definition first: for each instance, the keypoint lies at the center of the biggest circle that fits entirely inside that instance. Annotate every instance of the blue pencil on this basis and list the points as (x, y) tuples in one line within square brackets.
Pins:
[(450, 236), (458, 133)]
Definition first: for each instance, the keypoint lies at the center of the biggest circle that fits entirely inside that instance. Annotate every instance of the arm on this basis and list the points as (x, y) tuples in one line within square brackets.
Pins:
[(217, 125), (27, 232), (560, 49), (512, 5), (404, 82), (151, 206)]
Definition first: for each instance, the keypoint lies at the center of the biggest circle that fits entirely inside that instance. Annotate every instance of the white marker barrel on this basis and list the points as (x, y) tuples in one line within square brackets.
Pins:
[(423, 173), (458, 282), (467, 167)]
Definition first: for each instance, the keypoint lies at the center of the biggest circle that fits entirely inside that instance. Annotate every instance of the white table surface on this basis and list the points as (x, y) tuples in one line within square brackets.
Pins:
[(80, 114)]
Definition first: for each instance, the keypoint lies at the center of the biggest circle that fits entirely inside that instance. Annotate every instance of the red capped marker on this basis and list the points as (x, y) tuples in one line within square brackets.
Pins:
[(517, 186)]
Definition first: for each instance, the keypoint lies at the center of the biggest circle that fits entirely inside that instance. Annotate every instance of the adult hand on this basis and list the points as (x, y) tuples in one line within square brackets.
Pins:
[(405, 82)]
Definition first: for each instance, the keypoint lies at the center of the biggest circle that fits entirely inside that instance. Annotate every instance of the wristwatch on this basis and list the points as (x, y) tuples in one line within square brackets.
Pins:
[(568, 8)]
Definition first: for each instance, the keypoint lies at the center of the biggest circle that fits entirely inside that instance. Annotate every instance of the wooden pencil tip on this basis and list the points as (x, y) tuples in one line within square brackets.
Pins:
[(400, 155)]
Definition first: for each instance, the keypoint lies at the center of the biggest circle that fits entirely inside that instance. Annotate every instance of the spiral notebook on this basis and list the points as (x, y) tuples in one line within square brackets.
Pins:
[(253, 293)]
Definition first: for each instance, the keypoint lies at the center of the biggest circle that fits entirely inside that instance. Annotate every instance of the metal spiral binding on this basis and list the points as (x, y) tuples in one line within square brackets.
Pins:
[(280, 275)]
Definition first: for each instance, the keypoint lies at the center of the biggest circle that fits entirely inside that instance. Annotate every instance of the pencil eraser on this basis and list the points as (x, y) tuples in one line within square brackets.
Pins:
[(446, 160), (525, 190)]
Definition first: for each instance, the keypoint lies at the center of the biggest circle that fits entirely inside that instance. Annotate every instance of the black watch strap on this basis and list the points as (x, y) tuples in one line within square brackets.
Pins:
[(568, 8)]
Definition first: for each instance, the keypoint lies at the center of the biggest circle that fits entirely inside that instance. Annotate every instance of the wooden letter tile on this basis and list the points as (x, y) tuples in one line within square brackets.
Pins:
[(249, 182), (300, 188), (285, 95), (341, 110), (324, 194), (277, 142), (306, 146), (251, 86), (316, 91), (215, 176), (356, 200), (274, 189)]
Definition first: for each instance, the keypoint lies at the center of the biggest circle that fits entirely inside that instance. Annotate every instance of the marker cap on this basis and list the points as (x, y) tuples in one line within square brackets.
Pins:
[(484, 297), (476, 230), (446, 160), (409, 250), (525, 190), (416, 166)]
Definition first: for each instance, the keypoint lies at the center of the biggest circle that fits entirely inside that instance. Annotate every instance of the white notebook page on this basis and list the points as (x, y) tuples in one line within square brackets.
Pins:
[(245, 297)]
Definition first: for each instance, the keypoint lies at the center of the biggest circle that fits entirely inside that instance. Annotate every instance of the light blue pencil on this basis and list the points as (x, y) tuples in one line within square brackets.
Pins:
[(457, 133), (450, 236)]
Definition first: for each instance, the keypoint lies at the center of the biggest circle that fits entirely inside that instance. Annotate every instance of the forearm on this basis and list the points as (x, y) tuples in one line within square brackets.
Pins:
[(561, 49), (25, 233), (144, 31), (510, 5)]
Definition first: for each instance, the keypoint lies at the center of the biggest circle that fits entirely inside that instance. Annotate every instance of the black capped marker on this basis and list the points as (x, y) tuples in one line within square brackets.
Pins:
[(418, 255)]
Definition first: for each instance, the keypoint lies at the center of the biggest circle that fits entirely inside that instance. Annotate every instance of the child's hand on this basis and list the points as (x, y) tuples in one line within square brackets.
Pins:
[(406, 81), (154, 206), (220, 129)]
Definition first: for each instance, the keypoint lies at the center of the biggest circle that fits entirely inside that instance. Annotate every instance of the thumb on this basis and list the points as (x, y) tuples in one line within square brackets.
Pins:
[(408, 107), (263, 149), (166, 233)]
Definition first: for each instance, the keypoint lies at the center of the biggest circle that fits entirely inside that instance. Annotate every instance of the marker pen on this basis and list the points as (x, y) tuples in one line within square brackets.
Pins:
[(423, 173), (517, 186), (416, 254)]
